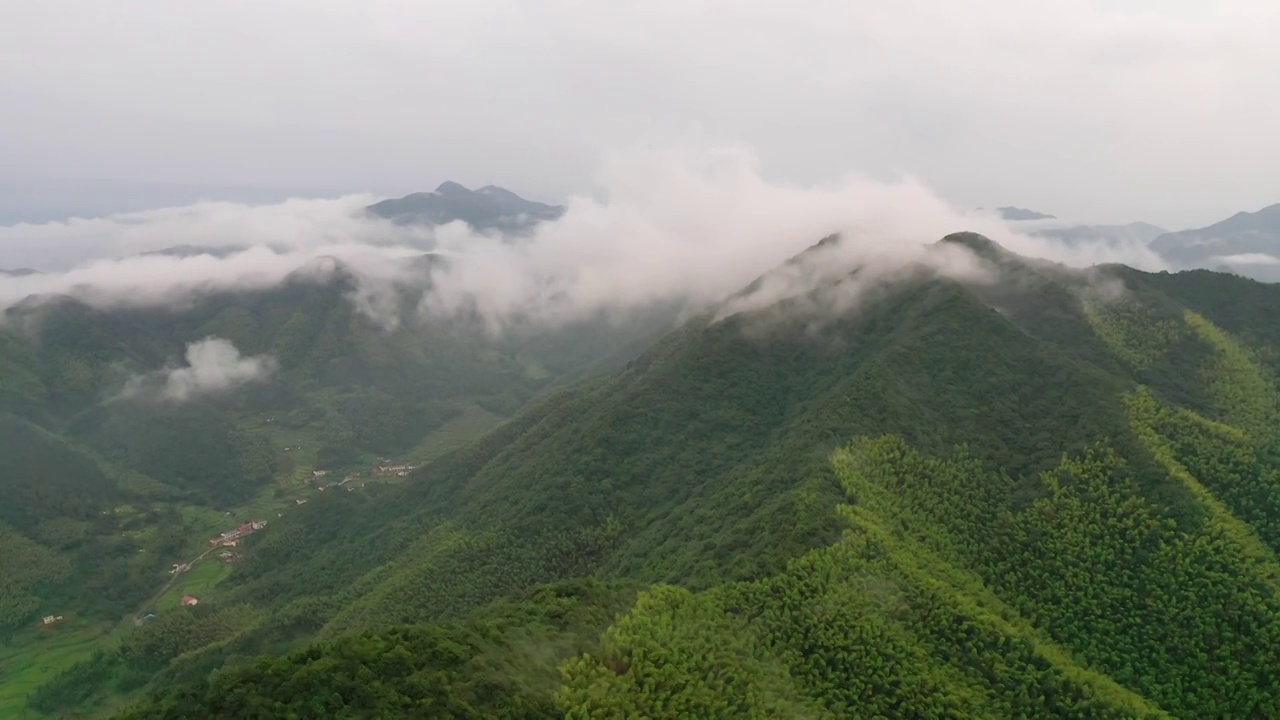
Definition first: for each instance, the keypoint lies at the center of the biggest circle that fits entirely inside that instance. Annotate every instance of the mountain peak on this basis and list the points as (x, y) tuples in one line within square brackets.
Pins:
[(489, 208), (449, 187), (981, 245)]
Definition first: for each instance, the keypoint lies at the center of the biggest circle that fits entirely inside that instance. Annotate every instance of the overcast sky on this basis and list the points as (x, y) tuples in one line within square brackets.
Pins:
[(1111, 110)]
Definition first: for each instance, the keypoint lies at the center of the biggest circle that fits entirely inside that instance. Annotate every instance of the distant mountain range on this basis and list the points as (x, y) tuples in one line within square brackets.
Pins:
[(1140, 232), (19, 272), (1245, 243), (184, 251), (488, 209)]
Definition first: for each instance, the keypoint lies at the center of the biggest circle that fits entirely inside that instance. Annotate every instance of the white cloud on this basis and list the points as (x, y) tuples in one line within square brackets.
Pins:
[(684, 224), (699, 225), (1249, 259), (292, 225), (212, 365)]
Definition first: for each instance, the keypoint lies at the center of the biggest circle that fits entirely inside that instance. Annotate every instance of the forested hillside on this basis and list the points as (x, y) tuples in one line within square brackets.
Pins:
[(127, 441), (1052, 495)]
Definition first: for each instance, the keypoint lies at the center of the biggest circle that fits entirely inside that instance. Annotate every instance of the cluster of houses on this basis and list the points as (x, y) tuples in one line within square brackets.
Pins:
[(385, 470), (50, 620), (230, 537)]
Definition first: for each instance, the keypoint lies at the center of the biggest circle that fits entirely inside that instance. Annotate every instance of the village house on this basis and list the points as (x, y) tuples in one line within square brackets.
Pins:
[(231, 536), (189, 600), (50, 620)]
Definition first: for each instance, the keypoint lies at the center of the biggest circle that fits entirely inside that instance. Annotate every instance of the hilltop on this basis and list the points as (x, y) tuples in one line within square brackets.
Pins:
[(1021, 495), (486, 209)]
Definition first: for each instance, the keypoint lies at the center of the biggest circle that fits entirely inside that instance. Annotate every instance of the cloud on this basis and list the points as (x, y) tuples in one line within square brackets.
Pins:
[(297, 224), (114, 261), (177, 282), (213, 365), (1249, 259), (682, 224), (699, 225), (845, 271)]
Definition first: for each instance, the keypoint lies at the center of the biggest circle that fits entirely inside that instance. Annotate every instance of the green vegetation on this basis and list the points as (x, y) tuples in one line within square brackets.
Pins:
[(102, 491), (31, 658), (497, 664), (1056, 496)]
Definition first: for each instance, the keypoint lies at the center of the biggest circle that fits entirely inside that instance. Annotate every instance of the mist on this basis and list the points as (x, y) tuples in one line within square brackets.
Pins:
[(692, 225)]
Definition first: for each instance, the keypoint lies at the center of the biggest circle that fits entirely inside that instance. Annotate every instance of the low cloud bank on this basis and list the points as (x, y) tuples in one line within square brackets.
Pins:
[(690, 225), (1249, 259)]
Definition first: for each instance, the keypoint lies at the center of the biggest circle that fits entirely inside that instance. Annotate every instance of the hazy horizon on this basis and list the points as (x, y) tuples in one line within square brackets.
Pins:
[(1110, 112)]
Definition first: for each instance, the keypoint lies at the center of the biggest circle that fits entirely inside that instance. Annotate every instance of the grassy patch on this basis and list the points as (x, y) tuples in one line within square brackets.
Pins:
[(33, 657)]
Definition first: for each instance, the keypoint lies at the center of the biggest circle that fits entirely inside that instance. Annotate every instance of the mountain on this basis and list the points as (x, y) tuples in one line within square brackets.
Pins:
[(490, 208), (19, 272), (1135, 232), (1017, 213), (1248, 243), (1035, 492)]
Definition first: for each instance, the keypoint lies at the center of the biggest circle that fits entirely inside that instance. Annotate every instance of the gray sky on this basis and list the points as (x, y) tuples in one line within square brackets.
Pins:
[(1104, 111)]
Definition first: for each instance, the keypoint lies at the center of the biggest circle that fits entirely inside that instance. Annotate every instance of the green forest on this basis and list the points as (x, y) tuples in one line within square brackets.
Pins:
[(1054, 495)]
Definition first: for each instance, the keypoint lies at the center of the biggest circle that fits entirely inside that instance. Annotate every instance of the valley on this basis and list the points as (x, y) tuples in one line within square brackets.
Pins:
[(34, 655)]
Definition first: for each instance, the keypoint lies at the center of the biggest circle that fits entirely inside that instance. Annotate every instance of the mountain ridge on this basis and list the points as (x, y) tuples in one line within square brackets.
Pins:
[(952, 497)]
